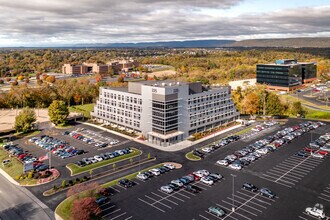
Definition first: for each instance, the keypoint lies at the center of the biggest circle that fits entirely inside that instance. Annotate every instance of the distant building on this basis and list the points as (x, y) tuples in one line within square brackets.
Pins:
[(286, 75), (117, 66), (165, 112), (85, 68), (122, 65), (242, 83)]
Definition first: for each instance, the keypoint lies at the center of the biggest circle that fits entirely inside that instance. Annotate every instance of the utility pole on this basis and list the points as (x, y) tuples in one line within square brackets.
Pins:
[(264, 103), (233, 194), (50, 159)]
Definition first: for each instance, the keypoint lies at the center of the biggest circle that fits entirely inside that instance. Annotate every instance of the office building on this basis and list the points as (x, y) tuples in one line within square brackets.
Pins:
[(165, 112), (286, 74)]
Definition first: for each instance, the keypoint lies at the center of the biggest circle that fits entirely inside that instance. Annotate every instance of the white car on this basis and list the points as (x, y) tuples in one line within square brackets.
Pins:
[(316, 211), (142, 176), (177, 182), (325, 148), (207, 180), (155, 172), (98, 158), (207, 149), (169, 166), (262, 151), (235, 166), (166, 189), (222, 162), (201, 173), (317, 155), (93, 160)]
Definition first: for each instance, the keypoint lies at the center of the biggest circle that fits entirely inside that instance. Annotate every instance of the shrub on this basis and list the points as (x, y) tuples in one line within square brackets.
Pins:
[(71, 183), (55, 187), (17, 177), (22, 178), (63, 184), (78, 180), (36, 175), (30, 175)]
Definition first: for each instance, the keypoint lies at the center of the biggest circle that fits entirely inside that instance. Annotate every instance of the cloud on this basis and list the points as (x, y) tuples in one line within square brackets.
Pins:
[(39, 22)]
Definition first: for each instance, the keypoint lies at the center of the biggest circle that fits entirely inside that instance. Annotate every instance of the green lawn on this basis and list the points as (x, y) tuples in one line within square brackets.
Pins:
[(14, 168), (314, 114), (85, 109), (243, 131), (75, 169), (64, 208), (191, 156)]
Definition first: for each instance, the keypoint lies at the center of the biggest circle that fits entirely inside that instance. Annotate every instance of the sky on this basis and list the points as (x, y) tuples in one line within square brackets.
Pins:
[(70, 22)]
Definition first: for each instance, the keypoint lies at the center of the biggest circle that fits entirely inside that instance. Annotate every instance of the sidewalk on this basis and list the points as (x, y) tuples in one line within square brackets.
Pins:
[(172, 148)]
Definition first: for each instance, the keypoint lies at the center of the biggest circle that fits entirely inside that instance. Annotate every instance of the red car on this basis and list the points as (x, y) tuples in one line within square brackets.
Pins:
[(323, 152), (309, 149), (197, 178)]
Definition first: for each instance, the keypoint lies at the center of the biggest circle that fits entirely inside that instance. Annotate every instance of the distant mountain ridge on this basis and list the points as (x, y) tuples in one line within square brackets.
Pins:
[(170, 44), (318, 42)]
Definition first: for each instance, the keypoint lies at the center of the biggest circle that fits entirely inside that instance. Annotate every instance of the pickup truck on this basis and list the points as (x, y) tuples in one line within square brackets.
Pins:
[(316, 211)]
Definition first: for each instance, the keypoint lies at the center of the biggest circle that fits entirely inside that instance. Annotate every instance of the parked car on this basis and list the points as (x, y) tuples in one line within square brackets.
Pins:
[(101, 200), (192, 188), (266, 192), (216, 176), (250, 187), (217, 211), (235, 166), (142, 176), (316, 211), (155, 171), (126, 183), (177, 182), (169, 165), (223, 162), (166, 189), (207, 180)]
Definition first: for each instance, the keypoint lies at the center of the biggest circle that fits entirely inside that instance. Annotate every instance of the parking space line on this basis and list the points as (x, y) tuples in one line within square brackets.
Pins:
[(203, 217), (185, 191), (250, 202), (158, 201), (129, 218), (275, 172), (310, 215), (136, 182), (107, 207), (199, 186), (117, 210), (294, 177), (302, 217), (291, 169), (297, 174), (241, 208), (315, 161), (114, 189), (152, 205), (165, 199), (281, 180), (213, 215), (124, 213), (306, 166), (178, 193), (328, 200), (121, 187), (326, 191), (235, 212), (326, 195), (170, 195), (283, 184), (288, 178), (300, 172)]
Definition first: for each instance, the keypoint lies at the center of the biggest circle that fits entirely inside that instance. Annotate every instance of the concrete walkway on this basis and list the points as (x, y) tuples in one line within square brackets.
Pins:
[(172, 148)]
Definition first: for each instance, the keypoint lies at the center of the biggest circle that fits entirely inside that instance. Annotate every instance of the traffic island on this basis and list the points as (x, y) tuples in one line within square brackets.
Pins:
[(76, 170), (192, 157)]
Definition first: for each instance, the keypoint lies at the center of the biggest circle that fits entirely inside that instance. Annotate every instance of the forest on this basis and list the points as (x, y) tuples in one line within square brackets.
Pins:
[(206, 65)]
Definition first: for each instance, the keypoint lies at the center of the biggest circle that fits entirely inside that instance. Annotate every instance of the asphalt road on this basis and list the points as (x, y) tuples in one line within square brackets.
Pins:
[(18, 203)]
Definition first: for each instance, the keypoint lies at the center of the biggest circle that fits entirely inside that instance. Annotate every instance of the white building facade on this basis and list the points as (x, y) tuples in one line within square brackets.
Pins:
[(166, 112)]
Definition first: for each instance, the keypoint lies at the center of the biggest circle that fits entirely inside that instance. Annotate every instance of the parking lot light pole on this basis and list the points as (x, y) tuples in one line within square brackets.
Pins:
[(233, 198), (139, 160)]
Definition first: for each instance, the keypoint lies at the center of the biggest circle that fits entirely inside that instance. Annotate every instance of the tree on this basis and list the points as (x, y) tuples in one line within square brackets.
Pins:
[(149, 156), (114, 166), (20, 77), (131, 160), (1, 81), (85, 209), (58, 112), (63, 184), (8, 79), (145, 76), (297, 109), (274, 105), (24, 120), (15, 83), (250, 103), (120, 79), (50, 79)]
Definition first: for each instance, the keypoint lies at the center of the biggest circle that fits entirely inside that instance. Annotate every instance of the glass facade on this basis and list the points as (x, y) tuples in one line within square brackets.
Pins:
[(165, 117)]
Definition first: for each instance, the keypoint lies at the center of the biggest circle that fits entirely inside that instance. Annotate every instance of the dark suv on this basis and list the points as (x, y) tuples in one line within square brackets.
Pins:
[(250, 187), (126, 183)]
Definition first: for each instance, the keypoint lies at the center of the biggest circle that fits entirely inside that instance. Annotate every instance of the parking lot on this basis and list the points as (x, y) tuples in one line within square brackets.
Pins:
[(248, 205), (297, 181), (289, 172)]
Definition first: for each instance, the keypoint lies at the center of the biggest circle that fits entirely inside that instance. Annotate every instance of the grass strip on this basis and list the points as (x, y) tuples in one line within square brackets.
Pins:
[(75, 169)]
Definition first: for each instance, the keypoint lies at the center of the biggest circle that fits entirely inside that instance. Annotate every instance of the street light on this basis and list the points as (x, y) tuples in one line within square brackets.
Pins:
[(233, 194), (139, 160)]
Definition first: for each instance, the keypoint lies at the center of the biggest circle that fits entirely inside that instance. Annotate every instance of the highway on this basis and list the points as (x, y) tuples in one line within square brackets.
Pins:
[(18, 203)]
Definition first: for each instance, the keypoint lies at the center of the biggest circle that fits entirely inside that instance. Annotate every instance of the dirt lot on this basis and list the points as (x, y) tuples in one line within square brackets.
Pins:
[(163, 73)]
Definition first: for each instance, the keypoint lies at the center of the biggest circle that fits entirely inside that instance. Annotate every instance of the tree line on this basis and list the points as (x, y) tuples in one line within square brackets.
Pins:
[(70, 91)]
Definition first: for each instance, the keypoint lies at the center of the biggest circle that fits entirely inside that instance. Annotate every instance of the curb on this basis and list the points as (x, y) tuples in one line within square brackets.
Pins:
[(9, 178)]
